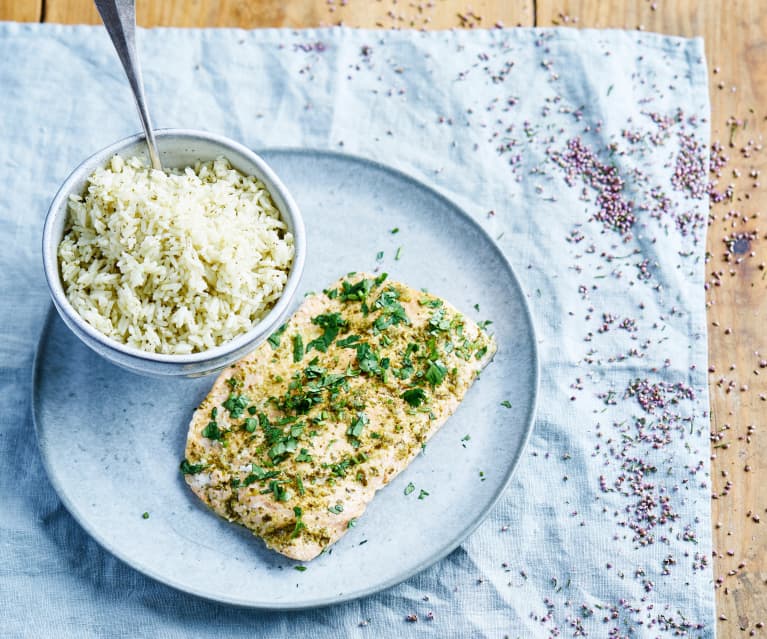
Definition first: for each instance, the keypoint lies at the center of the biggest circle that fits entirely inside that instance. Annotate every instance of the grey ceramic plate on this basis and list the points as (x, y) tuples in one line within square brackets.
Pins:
[(112, 441)]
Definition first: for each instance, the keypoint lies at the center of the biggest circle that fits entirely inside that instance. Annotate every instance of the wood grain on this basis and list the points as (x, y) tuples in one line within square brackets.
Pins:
[(736, 43), (736, 46), (21, 10), (302, 13)]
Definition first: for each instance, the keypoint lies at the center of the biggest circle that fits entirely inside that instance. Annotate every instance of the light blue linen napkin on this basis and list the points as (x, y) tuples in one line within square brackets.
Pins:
[(583, 152)]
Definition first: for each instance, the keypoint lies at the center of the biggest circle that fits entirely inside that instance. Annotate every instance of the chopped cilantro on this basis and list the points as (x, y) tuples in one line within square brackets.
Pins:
[(481, 352), (398, 253), (355, 292), (300, 484), (212, 431), (332, 323), (337, 509), (414, 396), (346, 342), (352, 522), (506, 403), (484, 324), (251, 423), (435, 374), (299, 568), (379, 256), (145, 515), (367, 359), (236, 405), (298, 348), (409, 488), (394, 231), (423, 494), (380, 279), (278, 490), (274, 338), (190, 469), (438, 321), (298, 527), (303, 456), (355, 429), (476, 307)]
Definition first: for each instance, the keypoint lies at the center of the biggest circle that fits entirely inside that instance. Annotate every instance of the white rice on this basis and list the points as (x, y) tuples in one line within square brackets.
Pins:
[(175, 261)]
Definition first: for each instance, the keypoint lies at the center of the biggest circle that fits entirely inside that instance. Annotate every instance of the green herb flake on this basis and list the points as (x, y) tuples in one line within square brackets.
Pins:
[(275, 338), (394, 231), (212, 431), (379, 256), (145, 515), (409, 488), (251, 423), (481, 352), (304, 456), (191, 469), (414, 396), (423, 494), (298, 348), (337, 509), (331, 323), (435, 374), (299, 568), (398, 253), (352, 522), (506, 403)]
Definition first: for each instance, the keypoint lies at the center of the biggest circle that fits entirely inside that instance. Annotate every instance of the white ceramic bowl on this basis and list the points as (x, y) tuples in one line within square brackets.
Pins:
[(178, 148)]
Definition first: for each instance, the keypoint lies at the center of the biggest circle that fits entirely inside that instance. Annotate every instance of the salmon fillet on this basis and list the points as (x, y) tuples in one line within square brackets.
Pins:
[(295, 439)]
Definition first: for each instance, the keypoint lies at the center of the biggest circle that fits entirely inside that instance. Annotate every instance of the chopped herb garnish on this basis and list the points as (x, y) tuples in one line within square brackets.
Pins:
[(278, 490), (298, 348), (355, 429), (484, 324), (352, 522), (212, 431), (298, 527), (145, 515), (332, 323), (251, 423), (379, 256), (435, 374), (304, 456), (394, 231), (233, 383), (190, 469), (414, 396), (300, 484), (357, 292), (438, 321), (337, 509), (506, 403), (423, 494), (481, 352), (409, 488), (274, 338), (346, 342), (476, 307), (398, 253), (299, 568), (236, 405)]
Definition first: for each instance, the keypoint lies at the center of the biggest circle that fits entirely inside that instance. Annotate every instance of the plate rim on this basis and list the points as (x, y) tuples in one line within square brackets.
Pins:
[(450, 546)]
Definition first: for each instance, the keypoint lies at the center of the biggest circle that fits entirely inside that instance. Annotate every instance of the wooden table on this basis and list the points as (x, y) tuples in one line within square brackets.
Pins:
[(736, 47)]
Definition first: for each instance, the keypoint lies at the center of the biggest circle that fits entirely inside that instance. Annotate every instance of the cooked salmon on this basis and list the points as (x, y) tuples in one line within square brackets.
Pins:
[(295, 439)]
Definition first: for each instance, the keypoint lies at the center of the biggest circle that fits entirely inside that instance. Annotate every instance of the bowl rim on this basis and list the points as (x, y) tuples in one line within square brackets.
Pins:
[(274, 185)]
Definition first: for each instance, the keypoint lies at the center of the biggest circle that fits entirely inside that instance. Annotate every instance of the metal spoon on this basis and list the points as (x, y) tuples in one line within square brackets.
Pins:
[(119, 17)]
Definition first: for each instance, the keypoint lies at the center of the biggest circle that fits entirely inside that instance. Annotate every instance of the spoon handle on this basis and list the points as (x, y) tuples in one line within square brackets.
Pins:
[(119, 17)]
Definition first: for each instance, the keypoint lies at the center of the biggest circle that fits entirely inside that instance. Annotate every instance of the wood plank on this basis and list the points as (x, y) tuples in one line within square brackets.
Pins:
[(736, 39), (302, 13), (21, 11)]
